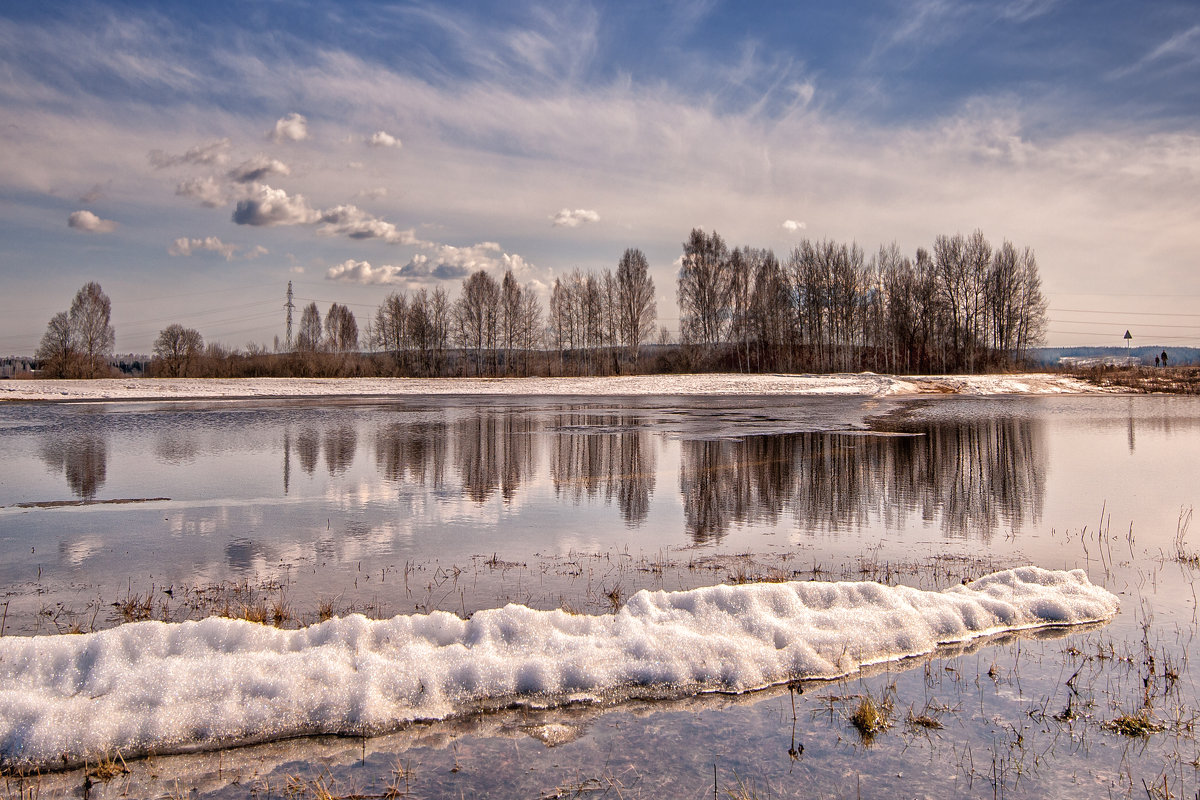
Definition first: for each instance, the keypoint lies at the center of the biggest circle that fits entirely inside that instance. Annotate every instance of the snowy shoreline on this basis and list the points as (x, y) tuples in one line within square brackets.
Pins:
[(861, 384)]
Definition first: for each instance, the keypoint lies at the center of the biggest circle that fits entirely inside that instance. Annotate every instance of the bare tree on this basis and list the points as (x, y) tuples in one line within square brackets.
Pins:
[(308, 339), (341, 329), (703, 289), (177, 348), (57, 352), (477, 314), (91, 330), (636, 314), (510, 318)]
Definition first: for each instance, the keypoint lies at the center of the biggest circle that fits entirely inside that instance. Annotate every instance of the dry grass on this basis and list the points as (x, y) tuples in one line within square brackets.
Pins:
[(872, 716), (1139, 724), (135, 607), (107, 768)]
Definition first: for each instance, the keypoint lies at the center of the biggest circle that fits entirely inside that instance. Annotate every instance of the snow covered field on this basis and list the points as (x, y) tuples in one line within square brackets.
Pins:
[(162, 687), (862, 384)]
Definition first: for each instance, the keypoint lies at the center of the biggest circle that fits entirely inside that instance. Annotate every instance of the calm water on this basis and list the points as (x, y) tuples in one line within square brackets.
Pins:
[(462, 504)]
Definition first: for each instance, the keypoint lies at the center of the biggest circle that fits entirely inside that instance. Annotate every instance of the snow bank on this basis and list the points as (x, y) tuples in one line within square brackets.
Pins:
[(161, 687), (863, 384)]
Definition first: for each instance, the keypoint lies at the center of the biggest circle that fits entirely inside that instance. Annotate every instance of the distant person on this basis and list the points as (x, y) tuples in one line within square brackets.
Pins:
[(1157, 361), (1164, 358)]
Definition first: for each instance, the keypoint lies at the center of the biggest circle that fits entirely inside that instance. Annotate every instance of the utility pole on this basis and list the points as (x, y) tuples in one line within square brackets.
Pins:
[(289, 305)]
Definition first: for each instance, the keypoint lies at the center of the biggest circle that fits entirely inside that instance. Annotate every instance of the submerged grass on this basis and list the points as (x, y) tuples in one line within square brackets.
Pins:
[(1139, 723)]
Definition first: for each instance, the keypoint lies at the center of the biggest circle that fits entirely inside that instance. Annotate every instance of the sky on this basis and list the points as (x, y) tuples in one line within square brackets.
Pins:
[(193, 158)]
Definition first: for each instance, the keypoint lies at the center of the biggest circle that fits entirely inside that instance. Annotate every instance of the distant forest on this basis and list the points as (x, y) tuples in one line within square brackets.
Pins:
[(960, 306)]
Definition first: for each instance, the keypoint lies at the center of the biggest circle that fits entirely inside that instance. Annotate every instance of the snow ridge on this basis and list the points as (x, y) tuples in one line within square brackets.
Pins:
[(155, 687)]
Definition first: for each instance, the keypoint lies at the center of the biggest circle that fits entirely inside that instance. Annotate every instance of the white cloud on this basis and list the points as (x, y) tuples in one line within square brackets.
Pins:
[(292, 128), (267, 206), (186, 247), (445, 262), (793, 225), (376, 193), (255, 252), (206, 190), (208, 154), (351, 271), (258, 168), (567, 218), (383, 139), (352, 221), (89, 222)]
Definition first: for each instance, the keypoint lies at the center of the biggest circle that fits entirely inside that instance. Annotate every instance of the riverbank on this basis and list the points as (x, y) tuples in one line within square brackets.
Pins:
[(861, 384)]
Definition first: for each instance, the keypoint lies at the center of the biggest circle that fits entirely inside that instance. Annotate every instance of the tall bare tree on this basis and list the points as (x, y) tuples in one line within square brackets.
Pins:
[(636, 312), (477, 314), (341, 329), (308, 339), (90, 315), (703, 289)]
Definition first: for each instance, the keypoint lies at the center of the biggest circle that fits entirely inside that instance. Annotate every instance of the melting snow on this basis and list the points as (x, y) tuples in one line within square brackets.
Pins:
[(162, 687), (862, 384)]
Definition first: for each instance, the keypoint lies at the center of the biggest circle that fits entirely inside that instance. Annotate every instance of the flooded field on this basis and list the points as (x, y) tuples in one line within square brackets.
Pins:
[(290, 512)]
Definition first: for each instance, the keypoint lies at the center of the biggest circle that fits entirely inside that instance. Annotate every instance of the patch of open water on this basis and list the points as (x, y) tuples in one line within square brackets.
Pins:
[(462, 504)]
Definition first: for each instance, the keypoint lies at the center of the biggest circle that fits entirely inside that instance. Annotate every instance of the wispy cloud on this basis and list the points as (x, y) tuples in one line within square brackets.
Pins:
[(185, 246), (566, 218), (1180, 50), (206, 190), (88, 222), (207, 154)]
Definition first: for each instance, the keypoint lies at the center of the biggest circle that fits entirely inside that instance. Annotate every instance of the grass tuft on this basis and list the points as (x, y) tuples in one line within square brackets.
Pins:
[(1139, 724), (872, 716)]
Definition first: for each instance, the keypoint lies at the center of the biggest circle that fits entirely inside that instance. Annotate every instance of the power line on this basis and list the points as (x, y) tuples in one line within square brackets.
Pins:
[(1124, 313)]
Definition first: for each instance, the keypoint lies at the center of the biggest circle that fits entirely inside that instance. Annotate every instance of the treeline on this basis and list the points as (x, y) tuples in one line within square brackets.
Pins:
[(960, 307)]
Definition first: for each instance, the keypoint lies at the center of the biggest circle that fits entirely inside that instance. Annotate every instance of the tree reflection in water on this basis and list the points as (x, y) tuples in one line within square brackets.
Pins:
[(975, 476), (590, 452), (494, 449), (413, 452), (83, 459)]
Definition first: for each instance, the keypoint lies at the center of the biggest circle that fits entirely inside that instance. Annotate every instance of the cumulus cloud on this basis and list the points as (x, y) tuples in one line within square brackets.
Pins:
[(793, 226), (351, 271), (89, 222), (206, 190), (207, 154), (382, 139), (267, 206), (352, 221), (186, 247), (567, 218), (445, 262), (258, 168), (256, 251), (292, 128)]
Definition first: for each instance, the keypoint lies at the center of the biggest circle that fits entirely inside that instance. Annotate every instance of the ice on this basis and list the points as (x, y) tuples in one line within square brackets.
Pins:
[(155, 687)]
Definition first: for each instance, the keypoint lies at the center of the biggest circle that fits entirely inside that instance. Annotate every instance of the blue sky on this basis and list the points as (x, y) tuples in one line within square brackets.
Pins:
[(194, 158)]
